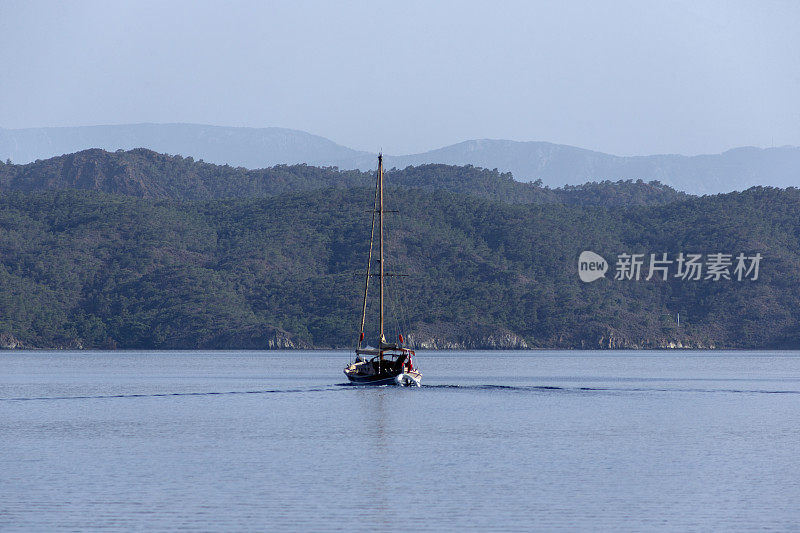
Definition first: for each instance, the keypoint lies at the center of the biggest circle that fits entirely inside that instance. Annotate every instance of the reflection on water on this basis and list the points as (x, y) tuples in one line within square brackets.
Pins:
[(509, 440)]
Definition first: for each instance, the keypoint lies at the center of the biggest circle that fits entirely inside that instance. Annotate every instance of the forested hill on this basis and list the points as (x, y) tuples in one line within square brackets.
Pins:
[(89, 269), (147, 174)]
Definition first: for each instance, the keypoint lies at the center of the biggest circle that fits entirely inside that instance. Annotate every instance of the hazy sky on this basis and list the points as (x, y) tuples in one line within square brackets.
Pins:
[(626, 77)]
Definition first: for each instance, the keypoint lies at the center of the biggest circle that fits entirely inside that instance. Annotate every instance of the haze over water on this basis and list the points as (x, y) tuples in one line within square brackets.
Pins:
[(494, 441)]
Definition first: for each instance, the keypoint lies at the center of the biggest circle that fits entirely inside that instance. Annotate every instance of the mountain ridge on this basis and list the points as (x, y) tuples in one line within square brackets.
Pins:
[(555, 164), (237, 146), (146, 174)]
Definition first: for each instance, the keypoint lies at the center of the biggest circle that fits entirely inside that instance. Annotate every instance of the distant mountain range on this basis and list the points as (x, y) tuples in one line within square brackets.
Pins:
[(558, 164), (246, 147), (554, 164)]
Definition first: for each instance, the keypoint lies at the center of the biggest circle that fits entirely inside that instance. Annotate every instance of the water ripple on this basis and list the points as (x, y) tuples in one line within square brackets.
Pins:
[(344, 386), (166, 394), (534, 388)]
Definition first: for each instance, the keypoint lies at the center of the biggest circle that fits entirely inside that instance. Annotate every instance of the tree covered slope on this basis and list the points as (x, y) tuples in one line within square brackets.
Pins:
[(93, 269)]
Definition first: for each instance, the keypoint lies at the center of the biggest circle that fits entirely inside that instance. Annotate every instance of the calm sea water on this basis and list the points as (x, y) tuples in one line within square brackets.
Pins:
[(237, 441)]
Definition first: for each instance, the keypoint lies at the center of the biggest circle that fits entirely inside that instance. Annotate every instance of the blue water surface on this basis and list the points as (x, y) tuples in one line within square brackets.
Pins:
[(244, 441)]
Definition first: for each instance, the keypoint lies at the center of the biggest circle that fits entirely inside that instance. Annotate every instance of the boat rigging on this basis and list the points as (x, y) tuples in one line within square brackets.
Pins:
[(389, 363)]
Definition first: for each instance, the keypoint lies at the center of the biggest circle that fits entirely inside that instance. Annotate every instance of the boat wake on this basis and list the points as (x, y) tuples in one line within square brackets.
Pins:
[(544, 388), (171, 394), (454, 387)]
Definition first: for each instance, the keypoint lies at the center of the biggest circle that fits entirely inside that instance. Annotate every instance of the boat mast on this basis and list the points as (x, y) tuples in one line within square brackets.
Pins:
[(369, 264), (380, 224)]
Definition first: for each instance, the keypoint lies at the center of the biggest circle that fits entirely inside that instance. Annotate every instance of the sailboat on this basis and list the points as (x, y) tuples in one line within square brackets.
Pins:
[(389, 363)]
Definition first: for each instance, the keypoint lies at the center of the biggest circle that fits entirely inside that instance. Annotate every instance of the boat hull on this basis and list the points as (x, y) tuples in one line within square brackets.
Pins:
[(405, 379)]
